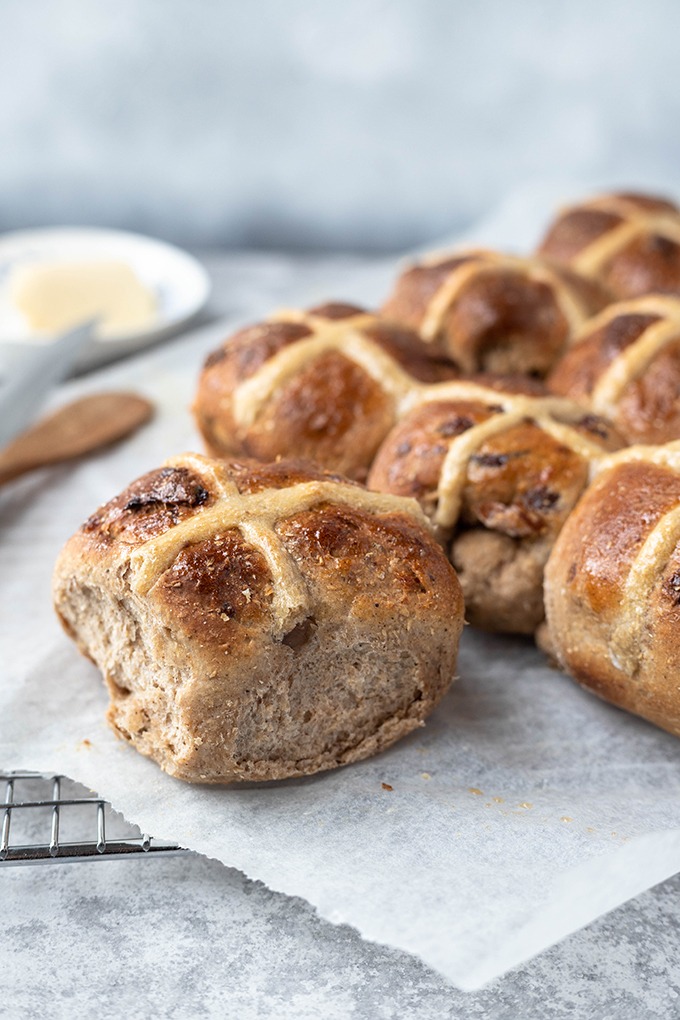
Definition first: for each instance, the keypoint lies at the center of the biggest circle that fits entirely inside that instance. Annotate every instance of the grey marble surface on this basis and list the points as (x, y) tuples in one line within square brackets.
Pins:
[(187, 937)]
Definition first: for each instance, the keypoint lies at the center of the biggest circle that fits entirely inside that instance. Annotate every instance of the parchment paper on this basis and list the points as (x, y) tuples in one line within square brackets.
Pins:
[(523, 810)]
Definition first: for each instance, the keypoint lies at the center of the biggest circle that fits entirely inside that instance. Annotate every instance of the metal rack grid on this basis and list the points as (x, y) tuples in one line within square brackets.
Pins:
[(36, 809)]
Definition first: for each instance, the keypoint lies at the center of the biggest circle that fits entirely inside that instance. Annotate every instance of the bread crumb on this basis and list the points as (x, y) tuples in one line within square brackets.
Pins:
[(425, 775), (526, 804), (386, 786), (477, 793), (566, 818), (223, 616)]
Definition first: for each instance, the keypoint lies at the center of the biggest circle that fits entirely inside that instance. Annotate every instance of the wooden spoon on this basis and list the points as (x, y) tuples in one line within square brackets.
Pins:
[(79, 427)]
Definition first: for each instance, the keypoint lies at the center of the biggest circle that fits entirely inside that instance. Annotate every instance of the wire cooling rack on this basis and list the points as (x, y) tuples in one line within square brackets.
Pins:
[(51, 818)]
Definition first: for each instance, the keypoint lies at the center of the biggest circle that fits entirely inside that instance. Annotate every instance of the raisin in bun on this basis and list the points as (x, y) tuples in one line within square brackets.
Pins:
[(629, 243), (257, 622), (497, 473), (323, 384), (612, 585), (625, 365), (491, 312)]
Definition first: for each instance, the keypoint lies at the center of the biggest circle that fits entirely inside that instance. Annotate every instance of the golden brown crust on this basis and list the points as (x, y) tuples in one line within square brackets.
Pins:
[(577, 372), (333, 404), (246, 350), (516, 481), (576, 229), (494, 313), (217, 591), (630, 243), (626, 365), (646, 203), (522, 483), (252, 475), (332, 412), (619, 517), (649, 408), (262, 621), (504, 322), (590, 293), (153, 503), (612, 587), (336, 310), (225, 368), (517, 383), (416, 288), (410, 460), (648, 263), (408, 350), (368, 554)]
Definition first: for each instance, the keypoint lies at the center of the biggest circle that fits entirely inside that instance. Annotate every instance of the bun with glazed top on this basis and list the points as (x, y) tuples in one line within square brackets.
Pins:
[(258, 622), (629, 243), (612, 585), (498, 474), (325, 385), (625, 365), (490, 312)]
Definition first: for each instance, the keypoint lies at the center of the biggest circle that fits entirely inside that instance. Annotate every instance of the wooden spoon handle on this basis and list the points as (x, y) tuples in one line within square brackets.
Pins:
[(78, 428)]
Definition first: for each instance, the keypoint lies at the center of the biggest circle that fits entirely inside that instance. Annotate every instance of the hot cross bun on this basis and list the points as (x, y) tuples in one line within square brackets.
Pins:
[(628, 242), (324, 385), (490, 312), (612, 585), (259, 621), (625, 365), (498, 474)]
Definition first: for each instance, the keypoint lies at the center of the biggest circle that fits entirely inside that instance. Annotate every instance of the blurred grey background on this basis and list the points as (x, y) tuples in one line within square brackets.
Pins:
[(367, 125)]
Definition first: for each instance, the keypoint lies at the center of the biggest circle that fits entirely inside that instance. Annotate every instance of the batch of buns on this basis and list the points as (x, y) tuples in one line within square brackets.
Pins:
[(294, 601)]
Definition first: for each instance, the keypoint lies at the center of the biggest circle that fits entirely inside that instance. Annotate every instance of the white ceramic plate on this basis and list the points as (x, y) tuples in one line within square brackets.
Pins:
[(179, 282)]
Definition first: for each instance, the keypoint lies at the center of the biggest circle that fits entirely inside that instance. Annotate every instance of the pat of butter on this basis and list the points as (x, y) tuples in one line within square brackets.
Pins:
[(53, 296)]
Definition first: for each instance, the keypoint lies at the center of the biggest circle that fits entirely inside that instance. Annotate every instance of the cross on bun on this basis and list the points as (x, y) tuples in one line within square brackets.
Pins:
[(490, 312), (498, 474), (630, 243), (612, 585), (625, 365), (257, 621), (323, 385)]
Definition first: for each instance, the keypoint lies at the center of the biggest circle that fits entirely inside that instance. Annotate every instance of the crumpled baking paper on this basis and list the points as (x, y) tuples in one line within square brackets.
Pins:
[(523, 810)]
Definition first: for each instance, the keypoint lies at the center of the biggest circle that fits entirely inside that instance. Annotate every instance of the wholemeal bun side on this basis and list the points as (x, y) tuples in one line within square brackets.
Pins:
[(323, 384), (257, 622), (491, 312), (627, 242), (625, 365), (497, 473), (612, 586)]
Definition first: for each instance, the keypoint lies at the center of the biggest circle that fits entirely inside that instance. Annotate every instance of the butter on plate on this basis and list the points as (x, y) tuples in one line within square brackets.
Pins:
[(53, 296)]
